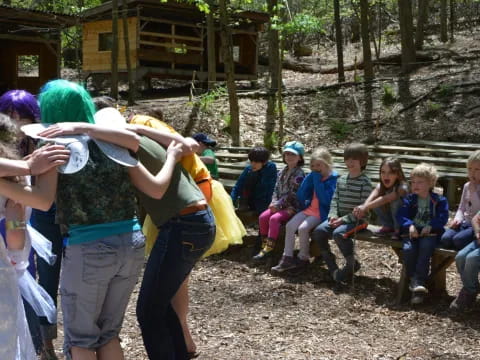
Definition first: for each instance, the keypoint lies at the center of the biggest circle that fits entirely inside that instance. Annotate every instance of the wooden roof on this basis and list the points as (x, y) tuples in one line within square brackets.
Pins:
[(13, 18), (184, 11)]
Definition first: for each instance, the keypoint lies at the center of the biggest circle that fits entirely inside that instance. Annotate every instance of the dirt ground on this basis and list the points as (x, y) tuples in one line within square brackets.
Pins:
[(240, 311)]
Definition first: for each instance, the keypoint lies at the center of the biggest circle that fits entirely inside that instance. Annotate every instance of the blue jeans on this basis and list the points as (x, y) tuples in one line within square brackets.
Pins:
[(323, 232), (387, 214), (180, 244), (458, 238), (416, 256), (49, 275), (468, 266)]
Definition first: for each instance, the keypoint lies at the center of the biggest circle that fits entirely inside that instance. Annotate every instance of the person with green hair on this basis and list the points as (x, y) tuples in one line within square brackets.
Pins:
[(96, 204)]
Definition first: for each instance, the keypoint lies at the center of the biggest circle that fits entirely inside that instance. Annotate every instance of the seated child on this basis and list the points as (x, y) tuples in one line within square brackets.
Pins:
[(284, 201), (460, 232), (254, 188), (206, 153), (468, 266), (422, 218), (352, 190), (386, 198), (314, 197)]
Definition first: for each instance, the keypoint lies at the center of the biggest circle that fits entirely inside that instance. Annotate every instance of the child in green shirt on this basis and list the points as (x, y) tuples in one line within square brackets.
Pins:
[(206, 153)]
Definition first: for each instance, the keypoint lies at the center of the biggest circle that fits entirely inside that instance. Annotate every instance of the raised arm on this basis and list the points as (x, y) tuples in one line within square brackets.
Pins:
[(40, 161), (118, 136), (165, 137), (155, 186)]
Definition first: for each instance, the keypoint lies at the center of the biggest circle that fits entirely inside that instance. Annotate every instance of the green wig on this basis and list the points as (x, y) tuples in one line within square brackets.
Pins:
[(65, 101)]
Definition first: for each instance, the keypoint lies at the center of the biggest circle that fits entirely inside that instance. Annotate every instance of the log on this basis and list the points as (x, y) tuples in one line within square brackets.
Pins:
[(314, 68)]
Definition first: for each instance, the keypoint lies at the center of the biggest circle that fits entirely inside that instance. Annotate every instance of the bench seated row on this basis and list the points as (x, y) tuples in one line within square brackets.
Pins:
[(449, 158)]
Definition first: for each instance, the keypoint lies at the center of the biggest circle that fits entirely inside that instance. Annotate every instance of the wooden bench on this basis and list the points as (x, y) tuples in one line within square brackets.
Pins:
[(450, 160)]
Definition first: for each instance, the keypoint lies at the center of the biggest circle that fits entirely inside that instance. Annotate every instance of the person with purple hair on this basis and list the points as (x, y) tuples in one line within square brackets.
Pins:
[(23, 108)]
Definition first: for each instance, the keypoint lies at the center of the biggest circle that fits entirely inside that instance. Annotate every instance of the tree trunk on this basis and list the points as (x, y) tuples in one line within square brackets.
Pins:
[(212, 61), (452, 19), (229, 68), (365, 32), (114, 76), (406, 34), (421, 23), (281, 117), (443, 21), (339, 40), (274, 66), (131, 82)]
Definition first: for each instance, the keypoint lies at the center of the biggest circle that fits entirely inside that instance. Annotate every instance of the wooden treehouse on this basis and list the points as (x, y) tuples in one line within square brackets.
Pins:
[(30, 47), (167, 40)]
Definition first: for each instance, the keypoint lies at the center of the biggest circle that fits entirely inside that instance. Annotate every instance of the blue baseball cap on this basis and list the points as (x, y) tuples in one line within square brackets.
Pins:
[(294, 147), (203, 138)]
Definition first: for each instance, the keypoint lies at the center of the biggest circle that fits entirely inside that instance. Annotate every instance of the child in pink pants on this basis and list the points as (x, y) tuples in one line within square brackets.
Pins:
[(284, 201)]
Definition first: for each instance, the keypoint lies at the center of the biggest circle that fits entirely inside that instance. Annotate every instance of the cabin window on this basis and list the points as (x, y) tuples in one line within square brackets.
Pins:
[(28, 66), (105, 41)]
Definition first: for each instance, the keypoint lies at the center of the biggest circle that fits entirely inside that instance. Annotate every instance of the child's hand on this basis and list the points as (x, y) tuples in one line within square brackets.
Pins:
[(426, 231), (273, 208), (334, 223), (454, 224), (190, 145), (360, 211), (175, 150), (412, 230)]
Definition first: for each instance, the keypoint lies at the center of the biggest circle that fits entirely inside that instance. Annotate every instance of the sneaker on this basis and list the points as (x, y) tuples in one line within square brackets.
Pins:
[(384, 230), (48, 354), (286, 263), (343, 274), (417, 287), (465, 299), (395, 236), (417, 298), (263, 254)]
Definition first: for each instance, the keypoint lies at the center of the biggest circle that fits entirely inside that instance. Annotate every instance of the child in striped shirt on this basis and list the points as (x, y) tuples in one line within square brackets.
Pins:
[(352, 190)]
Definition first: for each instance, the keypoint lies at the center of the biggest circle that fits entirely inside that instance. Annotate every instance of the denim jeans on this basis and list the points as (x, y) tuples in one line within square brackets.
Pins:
[(387, 215), (323, 232), (458, 238), (416, 256), (180, 244), (468, 266), (49, 275)]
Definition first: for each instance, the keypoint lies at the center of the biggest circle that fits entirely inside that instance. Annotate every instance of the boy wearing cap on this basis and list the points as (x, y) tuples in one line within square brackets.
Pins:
[(206, 153), (284, 201), (352, 190), (254, 188)]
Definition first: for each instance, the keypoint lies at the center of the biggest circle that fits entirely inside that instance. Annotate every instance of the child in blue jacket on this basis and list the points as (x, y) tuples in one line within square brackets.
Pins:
[(422, 218), (314, 196), (254, 188)]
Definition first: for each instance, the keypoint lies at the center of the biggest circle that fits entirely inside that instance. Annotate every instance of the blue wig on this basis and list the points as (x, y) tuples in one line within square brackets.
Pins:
[(65, 101), (21, 102)]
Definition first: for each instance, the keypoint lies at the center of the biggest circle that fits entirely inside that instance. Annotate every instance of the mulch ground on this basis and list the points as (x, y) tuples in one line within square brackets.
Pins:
[(239, 310)]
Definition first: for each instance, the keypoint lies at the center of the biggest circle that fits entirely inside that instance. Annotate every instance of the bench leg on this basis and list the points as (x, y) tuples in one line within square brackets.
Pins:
[(402, 290), (438, 277)]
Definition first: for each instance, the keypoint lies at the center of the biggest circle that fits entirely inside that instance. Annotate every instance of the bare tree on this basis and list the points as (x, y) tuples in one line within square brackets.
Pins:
[(229, 68), (421, 23), (339, 40), (443, 21), (114, 76), (131, 82), (365, 33), (406, 34)]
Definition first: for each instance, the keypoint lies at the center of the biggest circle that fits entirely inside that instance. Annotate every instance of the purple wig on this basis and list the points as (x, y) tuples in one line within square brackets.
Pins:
[(21, 102)]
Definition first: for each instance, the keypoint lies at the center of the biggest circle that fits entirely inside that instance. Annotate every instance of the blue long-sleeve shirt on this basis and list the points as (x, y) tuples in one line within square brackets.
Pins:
[(324, 191), (438, 212), (263, 191)]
